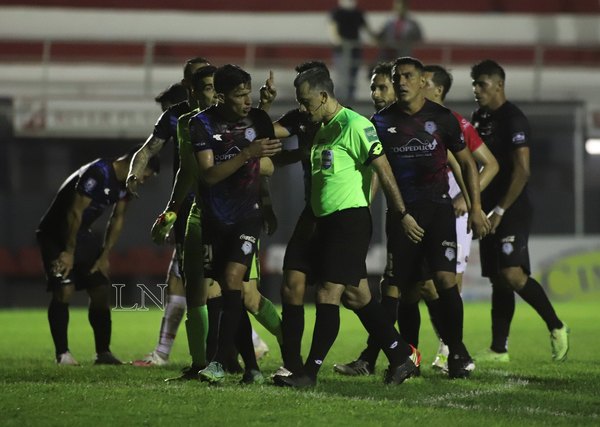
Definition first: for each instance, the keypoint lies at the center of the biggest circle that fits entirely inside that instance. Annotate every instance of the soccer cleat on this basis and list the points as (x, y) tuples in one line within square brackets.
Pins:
[(356, 368), (282, 371), (460, 366), (187, 374), (261, 349), (151, 359), (66, 359), (441, 358), (559, 339), (252, 376), (107, 358), (295, 381), (213, 373), (409, 368), (489, 355)]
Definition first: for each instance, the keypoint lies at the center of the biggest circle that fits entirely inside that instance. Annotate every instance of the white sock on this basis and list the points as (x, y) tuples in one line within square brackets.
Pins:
[(174, 311)]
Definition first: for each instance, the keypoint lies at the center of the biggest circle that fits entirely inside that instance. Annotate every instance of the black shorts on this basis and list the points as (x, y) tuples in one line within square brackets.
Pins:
[(342, 243), (508, 247), (414, 262), (301, 249), (87, 251), (229, 243)]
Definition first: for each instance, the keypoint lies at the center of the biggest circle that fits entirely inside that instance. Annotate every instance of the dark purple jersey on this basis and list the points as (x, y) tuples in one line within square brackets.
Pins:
[(416, 149), (236, 197), (166, 128), (503, 131), (96, 180), (298, 123)]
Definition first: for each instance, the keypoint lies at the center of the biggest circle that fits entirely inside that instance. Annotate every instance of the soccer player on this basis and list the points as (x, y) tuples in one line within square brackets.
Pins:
[(228, 140), (165, 130), (199, 327), (415, 134), (504, 253), (74, 259), (344, 154)]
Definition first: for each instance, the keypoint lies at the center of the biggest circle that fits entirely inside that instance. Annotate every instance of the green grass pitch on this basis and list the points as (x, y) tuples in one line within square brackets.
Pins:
[(530, 390)]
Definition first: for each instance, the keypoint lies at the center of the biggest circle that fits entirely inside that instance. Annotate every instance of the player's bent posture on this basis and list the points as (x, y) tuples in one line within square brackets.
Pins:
[(504, 253), (228, 140), (74, 259), (344, 154)]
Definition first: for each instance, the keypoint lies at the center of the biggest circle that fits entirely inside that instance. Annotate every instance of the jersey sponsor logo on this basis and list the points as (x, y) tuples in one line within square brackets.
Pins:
[(89, 184), (450, 253), (250, 134), (448, 244), (326, 159), (416, 145), (230, 154), (518, 138), (376, 150), (371, 134), (392, 129), (430, 127), (250, 239), (508, 239), (218, 137), (247, 248)]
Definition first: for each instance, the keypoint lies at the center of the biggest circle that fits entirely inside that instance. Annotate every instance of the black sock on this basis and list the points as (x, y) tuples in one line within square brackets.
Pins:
[(244, 342), (534, 295), (58, 318), (230, 321), (327, 326), (451, 315), (433, 307), (101, 324), (409, 322), (292, 327), (375, 322), (503, 310), (214, 306), (390, 308)]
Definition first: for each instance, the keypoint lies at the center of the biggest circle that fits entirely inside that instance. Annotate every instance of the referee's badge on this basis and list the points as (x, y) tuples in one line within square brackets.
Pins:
[(326, 159), (430, 127), (250, 134), (246, 247), (450, 253)]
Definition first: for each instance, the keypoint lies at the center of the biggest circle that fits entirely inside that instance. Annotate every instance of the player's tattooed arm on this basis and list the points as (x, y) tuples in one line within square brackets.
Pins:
[(140, 159)]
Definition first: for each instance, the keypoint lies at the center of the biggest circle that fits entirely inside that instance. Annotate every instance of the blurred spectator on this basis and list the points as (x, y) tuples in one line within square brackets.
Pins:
[(399, 34), (346, 22)]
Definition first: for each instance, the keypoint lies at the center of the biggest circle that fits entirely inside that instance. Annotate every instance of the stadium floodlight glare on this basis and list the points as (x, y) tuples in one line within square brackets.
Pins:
[(592, 146)]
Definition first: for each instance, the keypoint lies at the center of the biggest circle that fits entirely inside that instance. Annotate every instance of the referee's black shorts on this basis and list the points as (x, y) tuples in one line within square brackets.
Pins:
[(341, 247), (301, 249)]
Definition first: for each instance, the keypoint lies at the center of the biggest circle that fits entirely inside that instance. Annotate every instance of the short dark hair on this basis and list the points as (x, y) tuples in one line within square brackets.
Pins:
[(188, 67), (441, 77), (487, 67), (153, 162), (409, 60), (383, 68), (317, 78), (201, 74), (230, 76), (174, 94), (300, 68)]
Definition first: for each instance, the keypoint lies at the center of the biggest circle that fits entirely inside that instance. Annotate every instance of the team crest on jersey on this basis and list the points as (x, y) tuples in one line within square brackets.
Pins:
[(371, 134), (450, 253), (430, 127), (250, 134), (89, 184), (247, 248)]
